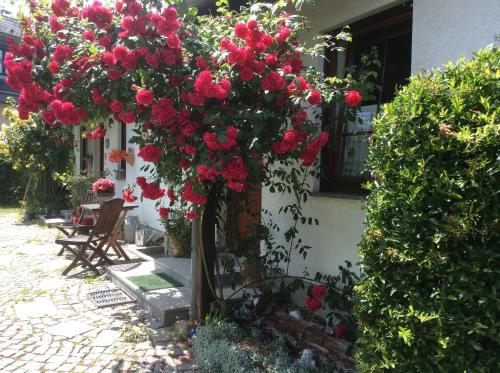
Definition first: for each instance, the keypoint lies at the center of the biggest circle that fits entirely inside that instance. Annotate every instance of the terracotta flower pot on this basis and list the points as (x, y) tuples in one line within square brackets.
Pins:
[(177, 249)]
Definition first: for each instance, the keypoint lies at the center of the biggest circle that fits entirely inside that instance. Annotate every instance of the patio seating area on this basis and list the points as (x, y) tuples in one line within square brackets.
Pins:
[(47, 322)]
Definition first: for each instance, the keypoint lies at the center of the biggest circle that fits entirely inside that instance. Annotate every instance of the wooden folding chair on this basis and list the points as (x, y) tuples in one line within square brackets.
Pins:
[(95, 241), (69, 229)]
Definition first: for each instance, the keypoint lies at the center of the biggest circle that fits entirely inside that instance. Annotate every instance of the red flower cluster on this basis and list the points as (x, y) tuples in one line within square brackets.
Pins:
[(191, 196), (150, 190), (98, 133), (207, 88), (150, 153), (103, 185), (98, 14), (291, 141), (315, 302), (213, 143), (163, 111), (167, 23), (116, 155), (310, 154), (273, 81), (164, 212), (128, 196), (67, 113)]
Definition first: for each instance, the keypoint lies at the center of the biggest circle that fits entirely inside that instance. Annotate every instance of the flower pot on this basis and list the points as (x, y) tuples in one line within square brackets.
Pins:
[(104, 196), (177, 249)]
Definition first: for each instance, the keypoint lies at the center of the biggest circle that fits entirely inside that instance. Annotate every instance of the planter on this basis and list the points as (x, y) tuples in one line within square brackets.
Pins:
[(104, 196), (177, 249)]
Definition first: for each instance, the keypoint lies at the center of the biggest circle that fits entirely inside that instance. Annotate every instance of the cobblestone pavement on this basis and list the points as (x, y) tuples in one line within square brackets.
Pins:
[(47, 324)]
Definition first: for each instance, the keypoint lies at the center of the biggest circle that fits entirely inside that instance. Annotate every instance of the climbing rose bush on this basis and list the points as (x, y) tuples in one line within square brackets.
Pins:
[(216, 100)]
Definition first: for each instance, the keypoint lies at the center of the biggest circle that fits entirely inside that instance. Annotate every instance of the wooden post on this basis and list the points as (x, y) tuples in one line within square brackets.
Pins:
[(195, 234), (206, 251)]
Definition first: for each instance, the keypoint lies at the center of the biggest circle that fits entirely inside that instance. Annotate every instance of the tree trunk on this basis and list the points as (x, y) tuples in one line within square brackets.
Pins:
[(204, 295)]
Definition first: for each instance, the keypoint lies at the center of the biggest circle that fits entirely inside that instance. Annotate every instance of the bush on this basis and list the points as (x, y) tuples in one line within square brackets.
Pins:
[(430, 257), (224, 347)]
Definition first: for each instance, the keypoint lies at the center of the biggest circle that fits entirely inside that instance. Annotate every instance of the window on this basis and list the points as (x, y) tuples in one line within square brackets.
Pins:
[(123, 146), (3, 51), (390, 33)]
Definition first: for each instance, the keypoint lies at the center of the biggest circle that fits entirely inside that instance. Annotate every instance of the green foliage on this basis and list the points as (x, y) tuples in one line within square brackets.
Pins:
[(226, 348), (78, 186), (179, 230), (430, 258), (11, 182), (36, 156)]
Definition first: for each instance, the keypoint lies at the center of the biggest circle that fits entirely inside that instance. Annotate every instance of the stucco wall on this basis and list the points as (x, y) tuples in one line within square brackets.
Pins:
[(341, 219), (444, 30), (146, 210)]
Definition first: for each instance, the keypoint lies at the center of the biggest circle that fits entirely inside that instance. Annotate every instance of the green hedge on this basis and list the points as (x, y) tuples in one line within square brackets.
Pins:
[(428, 300)]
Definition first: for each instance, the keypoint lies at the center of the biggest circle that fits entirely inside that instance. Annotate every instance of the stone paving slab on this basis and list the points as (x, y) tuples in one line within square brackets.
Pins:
[(37, 308), (47, 324)]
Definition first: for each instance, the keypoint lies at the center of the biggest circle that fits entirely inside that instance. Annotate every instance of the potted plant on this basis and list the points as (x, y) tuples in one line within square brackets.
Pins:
[(104, 189), (178, 233)]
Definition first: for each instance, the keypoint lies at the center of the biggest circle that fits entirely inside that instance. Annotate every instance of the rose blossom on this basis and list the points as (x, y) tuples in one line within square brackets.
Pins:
[(150, 153), (352, 98), (144, 97)]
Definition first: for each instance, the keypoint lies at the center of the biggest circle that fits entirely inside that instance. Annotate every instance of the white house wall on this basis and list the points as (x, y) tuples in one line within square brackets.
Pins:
[(444, 30), (146, 210)]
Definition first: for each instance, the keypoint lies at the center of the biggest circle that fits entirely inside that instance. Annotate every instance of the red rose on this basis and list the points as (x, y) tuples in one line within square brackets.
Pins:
[(54, 67), (191, 216), (314, 98), (114, 74), (273, 81), (352, 98), (116, 106), (246, 74), (144, 97), (109, 59), (164, 211), (240, 30), (271, 59), (170, 194), (141, 181), (313, 304), (173, 41), (340, 331), (319, 291), (128, 196), (128, 117), (88, 35), (150, 153)]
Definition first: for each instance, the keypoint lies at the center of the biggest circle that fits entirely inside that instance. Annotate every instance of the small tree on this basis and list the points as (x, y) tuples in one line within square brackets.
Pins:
[(41, 157), (428, 299), (219, 101)]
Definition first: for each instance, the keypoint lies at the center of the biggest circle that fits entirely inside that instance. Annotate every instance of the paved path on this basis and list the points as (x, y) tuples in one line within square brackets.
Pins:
[(48, 325)]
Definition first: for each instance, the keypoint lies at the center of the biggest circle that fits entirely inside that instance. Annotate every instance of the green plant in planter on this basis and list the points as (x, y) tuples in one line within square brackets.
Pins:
[(179, 230), (430, 259), (78, 186)]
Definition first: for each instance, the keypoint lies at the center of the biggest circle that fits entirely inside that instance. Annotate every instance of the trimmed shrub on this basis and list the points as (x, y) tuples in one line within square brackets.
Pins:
[(428, 300)]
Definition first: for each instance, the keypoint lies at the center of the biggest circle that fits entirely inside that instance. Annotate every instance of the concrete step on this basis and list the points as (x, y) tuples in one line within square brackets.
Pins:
[(165, 306)]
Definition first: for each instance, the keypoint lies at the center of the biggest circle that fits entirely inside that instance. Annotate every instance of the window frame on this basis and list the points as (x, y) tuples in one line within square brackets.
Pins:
[(386, 25)]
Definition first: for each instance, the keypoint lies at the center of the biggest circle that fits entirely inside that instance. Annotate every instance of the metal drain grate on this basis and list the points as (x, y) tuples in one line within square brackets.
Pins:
[(109, 297)]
